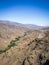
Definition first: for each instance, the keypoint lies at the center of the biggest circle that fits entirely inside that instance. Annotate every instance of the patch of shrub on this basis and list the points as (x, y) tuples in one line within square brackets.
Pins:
[(25, 34), (1, 51), (17, 38), (12, 43)]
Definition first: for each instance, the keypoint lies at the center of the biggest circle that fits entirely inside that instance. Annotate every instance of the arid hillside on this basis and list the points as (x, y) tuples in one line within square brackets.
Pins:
[(23, 46), (9, 31)]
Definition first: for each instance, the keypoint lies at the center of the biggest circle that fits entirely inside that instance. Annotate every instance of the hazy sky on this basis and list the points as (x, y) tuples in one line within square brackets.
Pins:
[(25, 11)]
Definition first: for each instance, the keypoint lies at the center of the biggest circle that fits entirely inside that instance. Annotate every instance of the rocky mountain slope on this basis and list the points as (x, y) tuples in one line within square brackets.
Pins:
[(9, 31), (29, 48)]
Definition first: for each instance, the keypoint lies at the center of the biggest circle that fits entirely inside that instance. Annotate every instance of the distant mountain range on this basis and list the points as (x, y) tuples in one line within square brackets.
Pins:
[(21, 25)]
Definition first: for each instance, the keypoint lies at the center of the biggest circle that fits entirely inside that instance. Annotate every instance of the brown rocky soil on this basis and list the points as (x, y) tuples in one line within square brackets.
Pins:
[(31, 49)]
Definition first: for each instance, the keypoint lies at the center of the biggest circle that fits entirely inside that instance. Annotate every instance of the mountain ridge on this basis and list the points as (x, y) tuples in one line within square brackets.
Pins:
[(20, 24)]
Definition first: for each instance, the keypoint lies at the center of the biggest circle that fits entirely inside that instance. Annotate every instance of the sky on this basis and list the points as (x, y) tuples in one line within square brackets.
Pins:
[(25, 11)]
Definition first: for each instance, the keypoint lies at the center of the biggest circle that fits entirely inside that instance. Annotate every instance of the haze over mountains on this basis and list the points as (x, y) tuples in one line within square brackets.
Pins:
[(23, 44), (20, 24)]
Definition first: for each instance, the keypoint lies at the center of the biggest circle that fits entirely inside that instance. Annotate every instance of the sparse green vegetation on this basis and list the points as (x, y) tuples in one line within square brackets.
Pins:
[(16, 39), (1, 51), (25, 34), (12, 44)]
